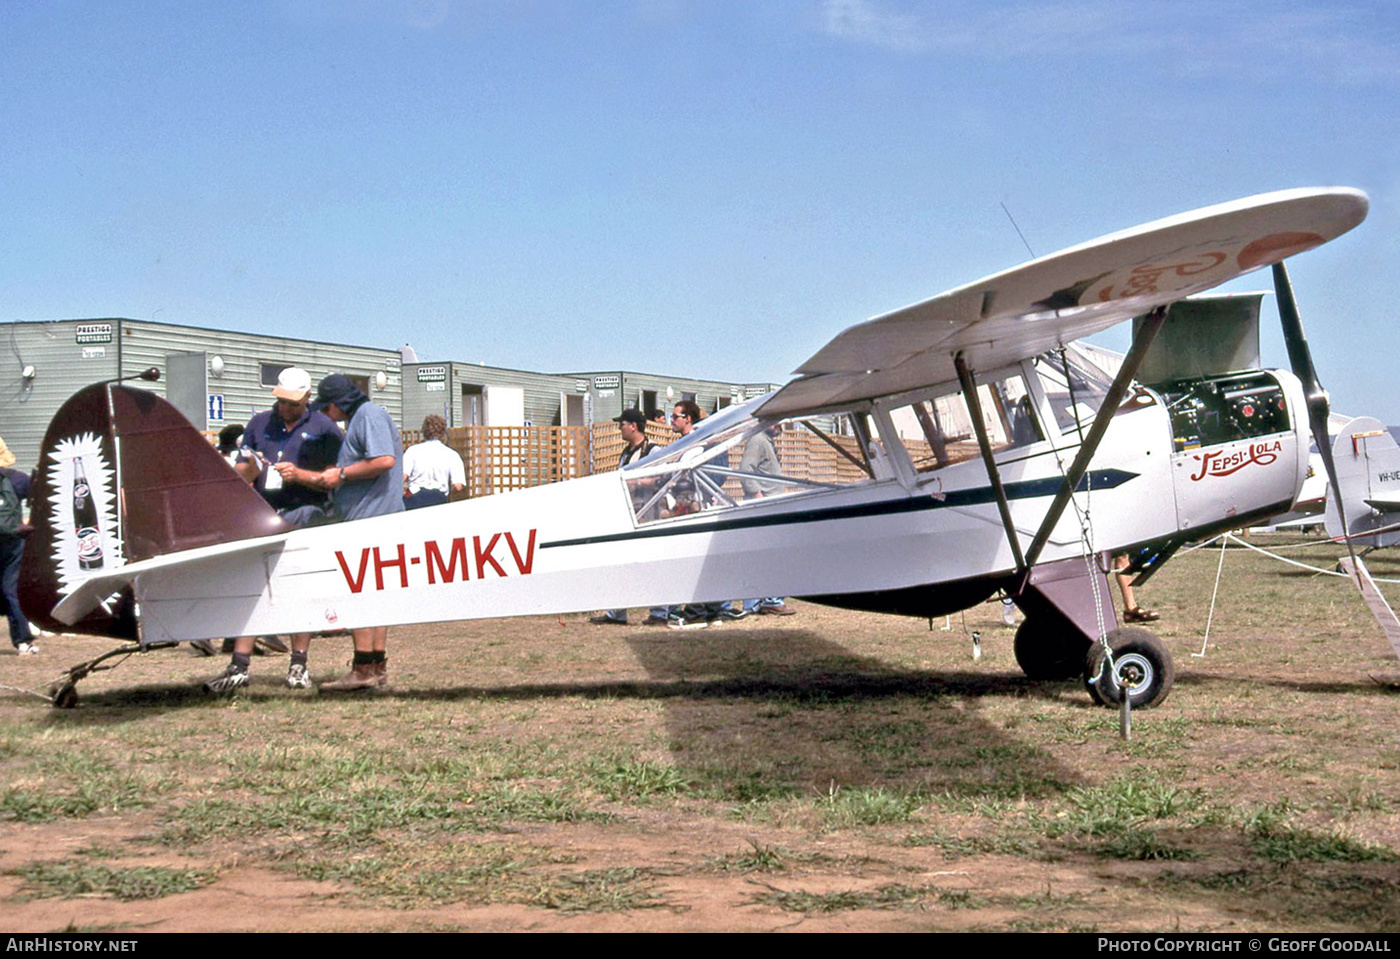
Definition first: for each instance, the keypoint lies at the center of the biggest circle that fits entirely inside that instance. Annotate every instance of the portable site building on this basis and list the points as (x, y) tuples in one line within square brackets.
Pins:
[(214, 377)]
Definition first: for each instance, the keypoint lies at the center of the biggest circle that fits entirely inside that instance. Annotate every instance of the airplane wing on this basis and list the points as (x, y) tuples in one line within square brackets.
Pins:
[(1052, 300)]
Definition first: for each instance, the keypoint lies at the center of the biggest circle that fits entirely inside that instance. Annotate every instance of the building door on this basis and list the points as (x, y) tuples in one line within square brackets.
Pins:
[(473, 405), (571, 409), (505, 406)]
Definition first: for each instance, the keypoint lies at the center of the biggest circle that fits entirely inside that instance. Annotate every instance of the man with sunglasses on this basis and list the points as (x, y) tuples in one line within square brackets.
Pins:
[(684, 418)]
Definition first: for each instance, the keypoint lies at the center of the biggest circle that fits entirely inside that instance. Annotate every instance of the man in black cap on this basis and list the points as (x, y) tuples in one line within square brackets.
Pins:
[(633, 427), (367, 480)]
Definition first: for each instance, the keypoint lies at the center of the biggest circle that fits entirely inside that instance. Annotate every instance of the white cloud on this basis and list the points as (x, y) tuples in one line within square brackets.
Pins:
[(861, 21), (1334, 42), (426, 14)]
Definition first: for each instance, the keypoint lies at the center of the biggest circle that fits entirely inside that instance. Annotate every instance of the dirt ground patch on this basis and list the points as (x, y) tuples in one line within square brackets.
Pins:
[(827, 771)]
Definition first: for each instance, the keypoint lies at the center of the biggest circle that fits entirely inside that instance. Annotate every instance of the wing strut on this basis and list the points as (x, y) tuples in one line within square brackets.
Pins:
[(1090, 444), (974, 406)]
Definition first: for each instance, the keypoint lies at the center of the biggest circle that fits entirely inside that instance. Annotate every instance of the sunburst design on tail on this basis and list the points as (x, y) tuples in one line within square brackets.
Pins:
[(83, 511)]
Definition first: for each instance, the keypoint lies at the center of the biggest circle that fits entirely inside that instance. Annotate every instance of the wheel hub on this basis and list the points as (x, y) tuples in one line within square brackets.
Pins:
[(1132, 671)]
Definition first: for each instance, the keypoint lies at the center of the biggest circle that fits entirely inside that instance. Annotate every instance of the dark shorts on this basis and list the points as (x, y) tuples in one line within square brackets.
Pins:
[(301, 516), (424, 497)]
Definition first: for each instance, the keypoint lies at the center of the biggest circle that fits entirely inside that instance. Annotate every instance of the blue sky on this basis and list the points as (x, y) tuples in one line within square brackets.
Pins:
[(690, 186)]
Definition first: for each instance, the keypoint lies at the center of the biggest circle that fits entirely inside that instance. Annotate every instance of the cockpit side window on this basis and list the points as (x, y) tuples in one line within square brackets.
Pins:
[(752, 460), (1074, 385), (938, 431)]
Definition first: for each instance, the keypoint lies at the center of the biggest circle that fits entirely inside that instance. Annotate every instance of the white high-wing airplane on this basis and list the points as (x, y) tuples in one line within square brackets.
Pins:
[(965, 429)]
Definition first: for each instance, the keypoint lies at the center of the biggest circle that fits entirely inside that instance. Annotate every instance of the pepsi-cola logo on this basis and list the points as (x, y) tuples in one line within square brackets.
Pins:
[(1222, 463)]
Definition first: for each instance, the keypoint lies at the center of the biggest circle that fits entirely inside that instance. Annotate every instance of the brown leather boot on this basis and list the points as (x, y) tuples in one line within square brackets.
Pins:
[(361, 676), (381, 673)]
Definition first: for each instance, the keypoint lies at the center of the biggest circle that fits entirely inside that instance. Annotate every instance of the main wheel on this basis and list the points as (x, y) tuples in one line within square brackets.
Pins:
[(1049, 650), (1141, 664)]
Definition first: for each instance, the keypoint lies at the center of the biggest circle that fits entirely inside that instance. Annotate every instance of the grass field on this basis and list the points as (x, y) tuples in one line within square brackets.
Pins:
[(828, 771)]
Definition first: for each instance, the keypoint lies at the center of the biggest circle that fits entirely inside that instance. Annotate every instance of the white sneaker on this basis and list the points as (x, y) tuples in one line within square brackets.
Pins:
[(298, 677), (27, 649), (230, 679)]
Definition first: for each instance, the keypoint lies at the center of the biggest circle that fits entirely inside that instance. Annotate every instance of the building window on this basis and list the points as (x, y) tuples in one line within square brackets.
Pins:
[(268, 373)]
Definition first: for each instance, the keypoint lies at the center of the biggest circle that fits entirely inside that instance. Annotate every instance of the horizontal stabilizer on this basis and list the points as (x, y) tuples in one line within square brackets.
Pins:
[(93, 591)]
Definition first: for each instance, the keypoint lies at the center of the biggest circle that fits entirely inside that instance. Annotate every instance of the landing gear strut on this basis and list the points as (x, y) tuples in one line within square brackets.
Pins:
[(1060, 637)]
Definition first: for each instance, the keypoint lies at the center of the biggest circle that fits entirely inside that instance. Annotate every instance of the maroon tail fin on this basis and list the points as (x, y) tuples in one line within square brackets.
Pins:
[(123, 477)]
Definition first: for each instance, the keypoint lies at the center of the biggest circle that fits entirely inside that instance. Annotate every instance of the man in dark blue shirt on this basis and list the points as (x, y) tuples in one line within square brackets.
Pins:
[(281, 448), (287, 438)]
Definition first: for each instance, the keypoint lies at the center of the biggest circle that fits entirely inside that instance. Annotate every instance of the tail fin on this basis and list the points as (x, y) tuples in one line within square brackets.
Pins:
[(1367, 461), (123, 477)]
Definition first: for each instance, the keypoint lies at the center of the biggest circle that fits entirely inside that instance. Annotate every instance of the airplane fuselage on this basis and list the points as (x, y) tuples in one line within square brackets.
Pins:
[(594, 543)]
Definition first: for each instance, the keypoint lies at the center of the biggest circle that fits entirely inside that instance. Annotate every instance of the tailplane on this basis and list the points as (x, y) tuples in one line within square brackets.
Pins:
[(124, 477)]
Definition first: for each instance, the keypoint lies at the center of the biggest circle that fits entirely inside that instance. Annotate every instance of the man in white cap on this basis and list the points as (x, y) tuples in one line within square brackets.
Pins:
[(282, 448)]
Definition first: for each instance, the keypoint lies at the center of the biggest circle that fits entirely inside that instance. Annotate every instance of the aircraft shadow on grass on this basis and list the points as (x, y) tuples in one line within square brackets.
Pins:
[(754, 712)]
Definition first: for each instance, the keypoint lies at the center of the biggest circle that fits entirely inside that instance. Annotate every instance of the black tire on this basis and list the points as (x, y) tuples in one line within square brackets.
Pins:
[(65, 695), (1140, 661), (1048, 650)]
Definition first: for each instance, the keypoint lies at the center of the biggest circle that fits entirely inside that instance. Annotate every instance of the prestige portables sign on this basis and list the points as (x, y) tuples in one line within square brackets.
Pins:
[(94, 333)]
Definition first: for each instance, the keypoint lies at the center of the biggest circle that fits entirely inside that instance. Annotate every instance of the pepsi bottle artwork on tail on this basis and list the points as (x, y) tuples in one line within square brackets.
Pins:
[(85, 523)]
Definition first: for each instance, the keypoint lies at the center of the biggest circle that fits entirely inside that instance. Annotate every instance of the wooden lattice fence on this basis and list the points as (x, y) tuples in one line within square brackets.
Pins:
[(503, 458)]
